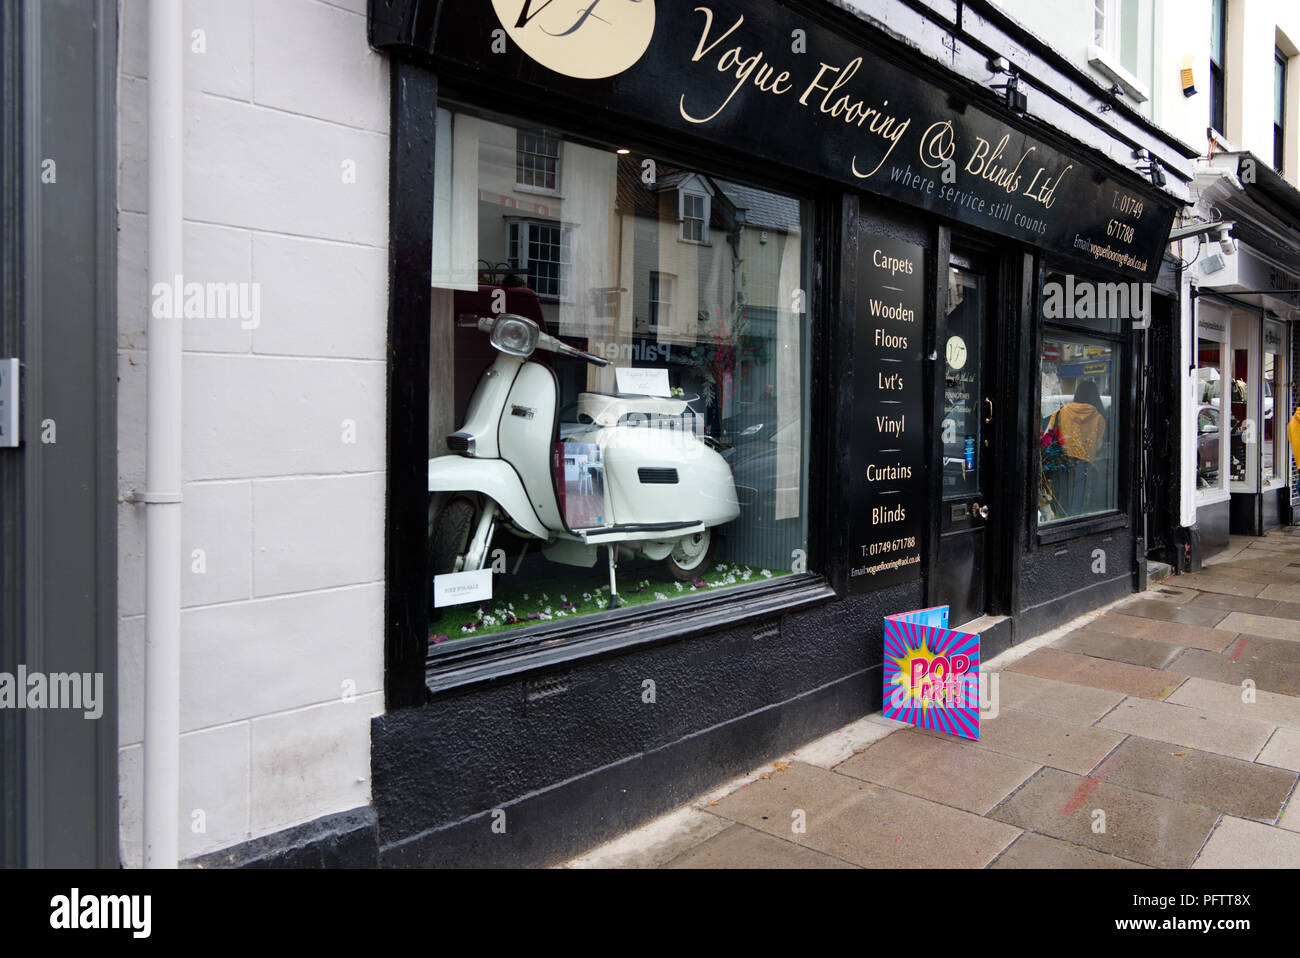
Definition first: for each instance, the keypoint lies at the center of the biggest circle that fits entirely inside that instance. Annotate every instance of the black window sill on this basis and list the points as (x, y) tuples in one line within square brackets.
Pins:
[(544, 647), (1078, 528)]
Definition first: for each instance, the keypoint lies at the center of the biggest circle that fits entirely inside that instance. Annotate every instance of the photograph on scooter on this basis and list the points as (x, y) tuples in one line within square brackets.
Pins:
[(563, 267)]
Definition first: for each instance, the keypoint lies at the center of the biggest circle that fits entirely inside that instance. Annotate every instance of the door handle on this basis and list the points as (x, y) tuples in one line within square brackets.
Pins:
[(989, 417), (979, 510)]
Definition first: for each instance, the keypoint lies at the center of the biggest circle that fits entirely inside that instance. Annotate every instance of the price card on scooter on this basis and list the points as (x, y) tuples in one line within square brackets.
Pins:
[(457, 588), (642, 382)]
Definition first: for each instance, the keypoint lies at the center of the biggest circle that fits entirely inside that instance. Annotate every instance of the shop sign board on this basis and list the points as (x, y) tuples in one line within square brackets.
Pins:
[(931, 673), (768, 81), (887, 491)]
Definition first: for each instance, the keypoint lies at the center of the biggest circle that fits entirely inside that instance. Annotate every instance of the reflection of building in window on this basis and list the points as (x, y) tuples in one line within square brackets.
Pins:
[(542, 251), (661, 301), (537, 161), (695, 214)]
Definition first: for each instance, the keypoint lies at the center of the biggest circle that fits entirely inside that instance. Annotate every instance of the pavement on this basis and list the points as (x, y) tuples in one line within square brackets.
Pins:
[(1162, 731)]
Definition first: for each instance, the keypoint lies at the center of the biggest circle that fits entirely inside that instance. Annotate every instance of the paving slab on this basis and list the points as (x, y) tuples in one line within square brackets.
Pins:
[(829, 750), (1136, 627), (1119, 648), (1072, 704), (1047, 741), (943, 770), (1218, 667), (1099, 673), (740, 846), (1237, 843), (1197, 728), (1282, 750), (1139, 827), (866, 824), (1168, 592), (1186, 614), (656, 843), (1209, 581), (1032, 850), (1223, 699), (1200, 778), (1278, 575), (1282, 610), (1232, 603), (1291, 817), (1263, 649), (1282, 593), (1265, 625)]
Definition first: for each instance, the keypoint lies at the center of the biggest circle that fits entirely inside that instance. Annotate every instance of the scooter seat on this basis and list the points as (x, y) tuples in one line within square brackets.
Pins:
[(606, 409)]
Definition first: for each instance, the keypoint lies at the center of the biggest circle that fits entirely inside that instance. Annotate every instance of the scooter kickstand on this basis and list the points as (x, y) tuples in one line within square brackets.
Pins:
[(614, 602)]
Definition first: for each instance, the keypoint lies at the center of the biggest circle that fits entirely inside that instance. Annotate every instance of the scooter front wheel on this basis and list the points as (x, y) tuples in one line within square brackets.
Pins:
[(450, 535), (691, 556)]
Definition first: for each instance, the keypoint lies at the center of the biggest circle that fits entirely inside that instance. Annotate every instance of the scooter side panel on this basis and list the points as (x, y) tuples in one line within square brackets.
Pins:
[(704, 490), (493, 478), (527, 425)]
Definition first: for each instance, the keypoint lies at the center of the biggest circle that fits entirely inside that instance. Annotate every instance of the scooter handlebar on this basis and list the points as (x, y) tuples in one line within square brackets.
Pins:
[(548, 342)]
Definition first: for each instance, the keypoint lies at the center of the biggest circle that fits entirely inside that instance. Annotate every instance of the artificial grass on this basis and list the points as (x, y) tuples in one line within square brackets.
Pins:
[(578, 594)]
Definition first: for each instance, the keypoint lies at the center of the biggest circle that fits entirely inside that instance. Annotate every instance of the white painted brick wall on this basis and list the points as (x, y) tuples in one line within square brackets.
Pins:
[(284, 446)]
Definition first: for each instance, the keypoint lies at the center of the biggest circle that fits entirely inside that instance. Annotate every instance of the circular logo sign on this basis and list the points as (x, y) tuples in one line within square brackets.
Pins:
[(1051, 353), (585, 39), (955, 354)]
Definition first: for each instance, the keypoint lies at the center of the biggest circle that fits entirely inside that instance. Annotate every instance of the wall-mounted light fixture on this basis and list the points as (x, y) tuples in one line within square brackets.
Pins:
[(1015, 99), (1149, 165)]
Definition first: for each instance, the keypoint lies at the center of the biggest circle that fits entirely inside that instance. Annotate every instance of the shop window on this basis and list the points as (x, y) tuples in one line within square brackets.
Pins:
[(1078, 427), (1270, 451), (1241, 430), (537, 161), (1210, 475), (605, 386)]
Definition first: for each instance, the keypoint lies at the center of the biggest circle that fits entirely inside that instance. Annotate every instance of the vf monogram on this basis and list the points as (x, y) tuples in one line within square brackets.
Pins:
[(584, 39)]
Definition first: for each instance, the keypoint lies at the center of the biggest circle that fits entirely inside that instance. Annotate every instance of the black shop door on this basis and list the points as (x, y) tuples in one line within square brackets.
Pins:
[(965, 414)]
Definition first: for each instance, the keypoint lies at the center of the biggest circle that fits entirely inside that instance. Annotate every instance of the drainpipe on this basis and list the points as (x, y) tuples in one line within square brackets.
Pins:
[(162, 666)]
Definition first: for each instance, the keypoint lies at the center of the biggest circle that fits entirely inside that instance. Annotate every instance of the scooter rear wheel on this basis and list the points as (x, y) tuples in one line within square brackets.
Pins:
[(691, 556)]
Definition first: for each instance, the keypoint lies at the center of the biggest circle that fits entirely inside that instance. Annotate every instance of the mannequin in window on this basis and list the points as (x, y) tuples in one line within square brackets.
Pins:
[(1083, 427)]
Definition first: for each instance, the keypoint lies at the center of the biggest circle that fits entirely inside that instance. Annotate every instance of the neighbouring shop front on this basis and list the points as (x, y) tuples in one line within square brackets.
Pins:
[(718, 333), (1245, 283)]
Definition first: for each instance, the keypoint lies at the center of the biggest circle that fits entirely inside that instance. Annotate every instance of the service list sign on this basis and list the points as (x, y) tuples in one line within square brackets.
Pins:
[(888, 491)]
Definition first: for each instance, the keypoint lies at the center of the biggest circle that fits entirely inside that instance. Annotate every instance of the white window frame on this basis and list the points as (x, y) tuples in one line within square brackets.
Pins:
[(518, 234), (703, 197), (661, 308), (546, 138)]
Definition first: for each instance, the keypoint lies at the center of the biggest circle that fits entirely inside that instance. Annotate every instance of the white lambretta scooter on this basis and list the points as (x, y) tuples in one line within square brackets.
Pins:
[(663, 490)]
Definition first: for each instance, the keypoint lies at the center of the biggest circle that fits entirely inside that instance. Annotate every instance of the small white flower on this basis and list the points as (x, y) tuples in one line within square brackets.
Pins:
[(765, 574)]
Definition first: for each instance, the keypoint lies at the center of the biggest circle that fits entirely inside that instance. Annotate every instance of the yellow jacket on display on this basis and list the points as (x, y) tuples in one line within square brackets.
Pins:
[(1082, 429)]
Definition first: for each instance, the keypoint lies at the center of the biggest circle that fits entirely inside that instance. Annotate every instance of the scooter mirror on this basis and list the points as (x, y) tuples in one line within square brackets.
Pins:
[(515, 335)]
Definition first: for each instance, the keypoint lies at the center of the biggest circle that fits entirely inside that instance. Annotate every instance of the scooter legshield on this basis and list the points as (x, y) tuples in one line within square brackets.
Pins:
[(491, 477)]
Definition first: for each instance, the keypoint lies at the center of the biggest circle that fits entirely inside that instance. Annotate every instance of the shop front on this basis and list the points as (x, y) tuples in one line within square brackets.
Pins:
[(1244, 296), (716, 334)]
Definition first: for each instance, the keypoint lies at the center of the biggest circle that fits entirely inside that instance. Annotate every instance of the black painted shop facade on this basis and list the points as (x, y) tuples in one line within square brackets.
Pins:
[(917, 250)]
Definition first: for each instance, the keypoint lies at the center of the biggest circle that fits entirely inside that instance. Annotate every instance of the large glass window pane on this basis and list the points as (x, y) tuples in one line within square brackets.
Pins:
[(1210, 476), (687, 452), (1240, 428), (1078, 438), (1271, 462), (963, 360)]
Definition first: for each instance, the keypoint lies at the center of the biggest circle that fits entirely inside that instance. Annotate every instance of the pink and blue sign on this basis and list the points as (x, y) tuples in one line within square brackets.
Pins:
[(931, 675)]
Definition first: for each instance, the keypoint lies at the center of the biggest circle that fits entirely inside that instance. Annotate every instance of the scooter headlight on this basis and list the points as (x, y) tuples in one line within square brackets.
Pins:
[(515, 335)]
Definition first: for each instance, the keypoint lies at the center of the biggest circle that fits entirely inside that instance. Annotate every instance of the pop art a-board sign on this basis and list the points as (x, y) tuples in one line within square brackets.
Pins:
[(931, 676)]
